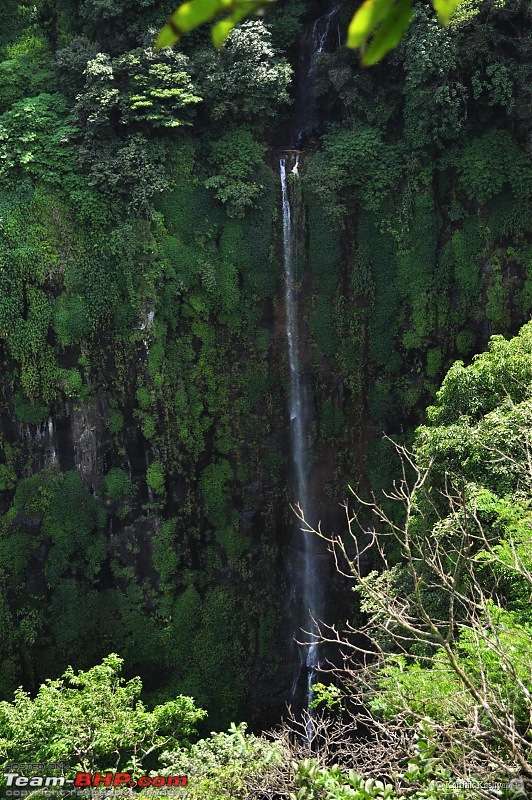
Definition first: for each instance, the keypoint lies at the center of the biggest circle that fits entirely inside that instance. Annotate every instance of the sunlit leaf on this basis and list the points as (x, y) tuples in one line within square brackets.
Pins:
[(221, 30), (445, 9), (188, 17), (365, 21), (389, 33), (194, 13)]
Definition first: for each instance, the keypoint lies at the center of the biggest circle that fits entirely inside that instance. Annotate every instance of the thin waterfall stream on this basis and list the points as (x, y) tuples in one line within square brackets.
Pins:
[(309, 594), (308, 591)]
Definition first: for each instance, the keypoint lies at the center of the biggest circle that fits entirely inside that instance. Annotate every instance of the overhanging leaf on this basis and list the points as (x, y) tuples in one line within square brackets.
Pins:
[(222, 29), (188, 17), (389, 34), (194, 13), (445, 9), (366, 20)]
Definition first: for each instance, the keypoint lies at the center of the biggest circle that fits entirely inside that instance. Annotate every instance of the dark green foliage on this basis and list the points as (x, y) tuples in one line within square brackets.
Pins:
[(324, 248), (465, 341), (71, 319), (322, 326), (490, 161), (71, 62), (71, 547), (416, 266), (166, 561), (217, 665), (284, 22), (24, 76), (246, 83), (71, 521), (332, 421), (117, 484), (376, 276), (235, 160), (27, 411), (119, 25), (381, 403), (434, 362), (214, 489)]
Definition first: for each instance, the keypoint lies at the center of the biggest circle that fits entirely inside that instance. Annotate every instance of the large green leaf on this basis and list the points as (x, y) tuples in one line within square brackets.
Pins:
[(194, 13), (366, 20), (187, 17), (223, 28), (445, 9), (389, 33)]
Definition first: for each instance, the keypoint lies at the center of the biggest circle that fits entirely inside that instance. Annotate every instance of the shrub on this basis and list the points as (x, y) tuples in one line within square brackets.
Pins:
[(155, 477), (117, 484)]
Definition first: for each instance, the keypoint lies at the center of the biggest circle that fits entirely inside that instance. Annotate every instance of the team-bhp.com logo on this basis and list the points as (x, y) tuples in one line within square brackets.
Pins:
[(17, 783), (84, 779)]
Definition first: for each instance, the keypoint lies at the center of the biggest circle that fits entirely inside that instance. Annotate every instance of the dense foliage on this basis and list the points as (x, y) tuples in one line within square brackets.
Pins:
[(451, 618), (83, 720), (143, 438)]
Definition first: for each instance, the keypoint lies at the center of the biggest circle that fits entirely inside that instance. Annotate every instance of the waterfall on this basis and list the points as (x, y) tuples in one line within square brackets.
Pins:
[(314, 41), (307, 594), (308, 589), (41, 443)]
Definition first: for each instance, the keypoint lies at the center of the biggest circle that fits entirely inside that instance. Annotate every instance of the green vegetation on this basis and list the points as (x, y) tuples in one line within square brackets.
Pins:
[(81, 718), (447, 613), (144, 448)]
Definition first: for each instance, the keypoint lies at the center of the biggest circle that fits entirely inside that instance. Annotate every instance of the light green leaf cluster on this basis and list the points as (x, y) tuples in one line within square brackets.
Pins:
[(225, 765), (93, 720)]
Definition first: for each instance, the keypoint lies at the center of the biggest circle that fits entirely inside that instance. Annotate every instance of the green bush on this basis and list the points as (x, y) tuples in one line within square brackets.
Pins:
[(28, 411), (155, 477), (117, 484), (70, 382), (215, 491), (115, 421), (24, 76), (434, 362), (235, 158), (465, 342), (70, 319)]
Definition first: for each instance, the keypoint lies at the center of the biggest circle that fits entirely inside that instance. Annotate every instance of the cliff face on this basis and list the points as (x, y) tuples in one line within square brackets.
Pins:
[(144, 433)]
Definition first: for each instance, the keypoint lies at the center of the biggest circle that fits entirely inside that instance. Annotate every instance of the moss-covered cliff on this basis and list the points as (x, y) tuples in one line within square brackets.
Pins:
[(144, 448)]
